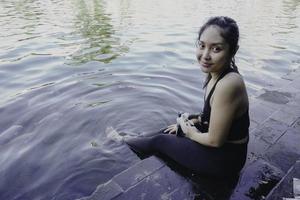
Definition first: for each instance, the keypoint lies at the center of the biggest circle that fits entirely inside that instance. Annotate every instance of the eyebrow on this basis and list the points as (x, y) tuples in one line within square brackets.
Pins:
[(217, 43)]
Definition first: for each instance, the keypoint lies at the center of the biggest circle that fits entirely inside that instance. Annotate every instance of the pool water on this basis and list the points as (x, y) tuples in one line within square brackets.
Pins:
[(72, 71)]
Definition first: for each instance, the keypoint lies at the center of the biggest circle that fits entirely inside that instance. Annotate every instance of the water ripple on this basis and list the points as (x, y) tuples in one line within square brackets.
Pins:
[(70, 69)]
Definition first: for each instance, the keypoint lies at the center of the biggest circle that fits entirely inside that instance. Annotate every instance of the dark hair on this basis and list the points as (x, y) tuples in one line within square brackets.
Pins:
[(230, 33)]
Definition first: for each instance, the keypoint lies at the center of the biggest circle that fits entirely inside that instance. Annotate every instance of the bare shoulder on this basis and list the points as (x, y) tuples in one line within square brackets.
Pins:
[(232, 83), (231, 91)]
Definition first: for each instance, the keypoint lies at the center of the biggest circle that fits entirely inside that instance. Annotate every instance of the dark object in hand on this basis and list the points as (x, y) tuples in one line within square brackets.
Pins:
[(179, 131), (194, 116), (200, 125)]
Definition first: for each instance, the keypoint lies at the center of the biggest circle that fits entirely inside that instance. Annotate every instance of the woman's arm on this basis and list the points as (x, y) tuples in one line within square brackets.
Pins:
[(228, 96)]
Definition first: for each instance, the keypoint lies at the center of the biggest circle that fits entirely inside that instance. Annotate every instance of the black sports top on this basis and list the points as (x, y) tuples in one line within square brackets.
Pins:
[(239, 128)]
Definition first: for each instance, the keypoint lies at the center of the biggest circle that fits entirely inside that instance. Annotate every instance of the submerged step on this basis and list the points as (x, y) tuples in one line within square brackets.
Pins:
[(148, 179)]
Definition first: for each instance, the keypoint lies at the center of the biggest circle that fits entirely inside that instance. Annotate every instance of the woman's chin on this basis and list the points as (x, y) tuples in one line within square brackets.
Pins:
[(205, 69)]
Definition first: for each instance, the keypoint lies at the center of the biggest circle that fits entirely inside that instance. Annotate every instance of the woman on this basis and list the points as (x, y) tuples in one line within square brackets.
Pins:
[(215, 143)]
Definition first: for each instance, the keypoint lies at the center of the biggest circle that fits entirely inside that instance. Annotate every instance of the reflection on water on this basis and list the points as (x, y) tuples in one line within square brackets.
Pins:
[(100, 42), (69, 69)]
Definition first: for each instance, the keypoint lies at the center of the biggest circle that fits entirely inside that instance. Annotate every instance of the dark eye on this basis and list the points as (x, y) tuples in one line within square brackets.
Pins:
[(200, 45), (217, 49)]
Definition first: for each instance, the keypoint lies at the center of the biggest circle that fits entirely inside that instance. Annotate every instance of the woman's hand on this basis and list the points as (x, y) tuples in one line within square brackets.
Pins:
[(171, 129), (186, 125)]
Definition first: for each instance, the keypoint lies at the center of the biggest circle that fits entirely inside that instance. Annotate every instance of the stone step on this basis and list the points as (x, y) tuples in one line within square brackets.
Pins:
[(284, 189), (257, 180), (152, 179), (148, 179)]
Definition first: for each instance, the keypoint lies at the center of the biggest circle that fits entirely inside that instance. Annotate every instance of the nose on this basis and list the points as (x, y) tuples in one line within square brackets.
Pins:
[(206, 54)]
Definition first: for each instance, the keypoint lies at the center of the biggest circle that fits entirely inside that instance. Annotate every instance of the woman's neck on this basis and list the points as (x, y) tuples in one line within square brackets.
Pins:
[(216, 75)]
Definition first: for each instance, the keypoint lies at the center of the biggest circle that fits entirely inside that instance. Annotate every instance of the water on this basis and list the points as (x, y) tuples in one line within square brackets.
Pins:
[(71, 69)]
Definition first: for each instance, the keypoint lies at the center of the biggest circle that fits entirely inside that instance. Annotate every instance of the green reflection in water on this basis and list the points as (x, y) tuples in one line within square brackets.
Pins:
[(94, 25), (26, 16), (99, 103)]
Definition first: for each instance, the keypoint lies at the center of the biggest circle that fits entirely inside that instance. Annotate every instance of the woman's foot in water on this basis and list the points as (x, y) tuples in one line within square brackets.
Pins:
[(116, 136)]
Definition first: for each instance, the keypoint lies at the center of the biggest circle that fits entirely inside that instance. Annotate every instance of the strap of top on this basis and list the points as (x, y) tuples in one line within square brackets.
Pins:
[(205, 117), (214, 86)]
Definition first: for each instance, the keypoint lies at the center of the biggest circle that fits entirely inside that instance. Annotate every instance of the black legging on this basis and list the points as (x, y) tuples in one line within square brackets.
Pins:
[(218, 162)]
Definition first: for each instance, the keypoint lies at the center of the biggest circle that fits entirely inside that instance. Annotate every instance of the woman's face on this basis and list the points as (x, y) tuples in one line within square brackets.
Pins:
[(212, 52)]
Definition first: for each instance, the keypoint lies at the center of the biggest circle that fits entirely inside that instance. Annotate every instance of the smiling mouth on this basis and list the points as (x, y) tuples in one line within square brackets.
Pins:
[(206, 65)]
